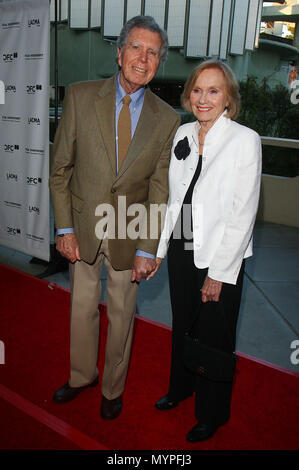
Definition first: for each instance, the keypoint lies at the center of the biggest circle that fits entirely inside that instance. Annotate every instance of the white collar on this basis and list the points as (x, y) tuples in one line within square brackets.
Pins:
[(220, 125)]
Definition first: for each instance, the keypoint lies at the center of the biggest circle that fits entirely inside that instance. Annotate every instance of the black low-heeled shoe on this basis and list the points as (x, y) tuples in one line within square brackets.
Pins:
[(165, 404), (67, 393), (201, 432), (111, 409)]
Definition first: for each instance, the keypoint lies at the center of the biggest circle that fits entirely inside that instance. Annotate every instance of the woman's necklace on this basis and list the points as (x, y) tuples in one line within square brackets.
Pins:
[(201, 143)]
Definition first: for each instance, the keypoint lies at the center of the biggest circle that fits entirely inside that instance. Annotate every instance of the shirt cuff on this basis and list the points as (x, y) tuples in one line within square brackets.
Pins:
[(64, 231), (144, 254)]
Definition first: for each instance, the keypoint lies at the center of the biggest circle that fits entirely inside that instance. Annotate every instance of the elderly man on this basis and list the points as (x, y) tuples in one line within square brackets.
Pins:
[(113, 143)]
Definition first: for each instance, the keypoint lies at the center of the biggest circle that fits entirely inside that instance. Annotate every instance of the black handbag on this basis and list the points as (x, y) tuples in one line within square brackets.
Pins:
[(206, 361)]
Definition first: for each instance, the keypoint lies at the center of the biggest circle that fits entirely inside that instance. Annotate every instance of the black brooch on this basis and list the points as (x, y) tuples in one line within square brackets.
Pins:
[(182, 149)]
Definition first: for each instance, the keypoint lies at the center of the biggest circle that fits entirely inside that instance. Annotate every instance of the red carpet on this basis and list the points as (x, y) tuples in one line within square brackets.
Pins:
[(34, 327)]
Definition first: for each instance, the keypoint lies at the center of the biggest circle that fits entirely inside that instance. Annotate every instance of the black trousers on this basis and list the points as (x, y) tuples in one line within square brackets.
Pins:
[(212, 399)]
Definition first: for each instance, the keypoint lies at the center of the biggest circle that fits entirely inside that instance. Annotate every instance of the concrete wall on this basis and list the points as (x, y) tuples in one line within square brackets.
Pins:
[(85, 55), (279, 200)]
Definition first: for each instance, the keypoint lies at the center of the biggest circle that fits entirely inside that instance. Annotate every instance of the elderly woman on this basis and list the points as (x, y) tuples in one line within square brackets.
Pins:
[(215, 172)]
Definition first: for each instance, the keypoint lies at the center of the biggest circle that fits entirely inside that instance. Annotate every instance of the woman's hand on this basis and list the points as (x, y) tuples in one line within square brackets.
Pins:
[(211, 289), (158, 264)]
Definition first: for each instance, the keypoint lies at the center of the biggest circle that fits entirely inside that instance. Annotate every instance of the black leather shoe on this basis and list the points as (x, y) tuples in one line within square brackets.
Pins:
[(165, 404), (111, 409), (201, 432), (67, 393)]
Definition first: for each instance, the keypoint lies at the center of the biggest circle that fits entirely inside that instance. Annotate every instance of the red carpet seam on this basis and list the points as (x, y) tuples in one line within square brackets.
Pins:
[(60, 427)]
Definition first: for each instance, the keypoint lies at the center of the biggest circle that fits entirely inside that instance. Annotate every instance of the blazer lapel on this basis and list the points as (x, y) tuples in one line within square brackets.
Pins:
[(147, 122), (105, 111)]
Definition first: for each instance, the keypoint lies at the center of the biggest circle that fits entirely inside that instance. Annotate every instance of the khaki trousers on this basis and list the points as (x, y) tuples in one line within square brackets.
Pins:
[(84, 337)]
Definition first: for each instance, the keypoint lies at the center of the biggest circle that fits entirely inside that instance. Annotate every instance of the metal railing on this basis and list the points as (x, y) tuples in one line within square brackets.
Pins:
[(280, 142)]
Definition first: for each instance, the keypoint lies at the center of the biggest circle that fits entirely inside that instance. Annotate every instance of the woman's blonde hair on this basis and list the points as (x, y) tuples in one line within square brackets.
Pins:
[(232, 87)]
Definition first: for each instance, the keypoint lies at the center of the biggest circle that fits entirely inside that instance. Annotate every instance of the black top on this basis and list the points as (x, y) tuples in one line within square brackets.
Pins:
[(184, 228), (188, 196)]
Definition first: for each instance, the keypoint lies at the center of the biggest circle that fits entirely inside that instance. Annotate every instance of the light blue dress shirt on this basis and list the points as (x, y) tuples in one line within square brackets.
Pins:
[(135, 111)]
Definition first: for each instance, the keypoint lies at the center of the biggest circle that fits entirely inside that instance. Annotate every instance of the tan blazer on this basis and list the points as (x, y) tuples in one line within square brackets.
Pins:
[(83, 168)]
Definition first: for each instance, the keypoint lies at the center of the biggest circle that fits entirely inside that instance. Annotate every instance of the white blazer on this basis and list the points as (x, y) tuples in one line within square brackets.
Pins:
[(225, 197)]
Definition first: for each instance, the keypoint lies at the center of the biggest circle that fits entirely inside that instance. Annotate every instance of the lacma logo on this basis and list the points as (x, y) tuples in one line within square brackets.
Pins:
[(34, 209), (33, 22), (10, 88), (12, 176), (34, 120)]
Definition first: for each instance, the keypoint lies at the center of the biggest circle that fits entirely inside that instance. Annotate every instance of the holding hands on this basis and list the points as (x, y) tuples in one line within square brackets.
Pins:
[(142, 268), (157, 267)]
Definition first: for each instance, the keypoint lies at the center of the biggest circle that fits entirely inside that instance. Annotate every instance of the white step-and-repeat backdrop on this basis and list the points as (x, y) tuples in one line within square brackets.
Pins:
[(24, 127)]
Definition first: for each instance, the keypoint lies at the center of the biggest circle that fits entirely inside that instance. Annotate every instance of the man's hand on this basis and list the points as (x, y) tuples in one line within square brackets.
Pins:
[(158, 264), (142, 267), (68, 247), (211, 289)]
